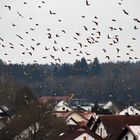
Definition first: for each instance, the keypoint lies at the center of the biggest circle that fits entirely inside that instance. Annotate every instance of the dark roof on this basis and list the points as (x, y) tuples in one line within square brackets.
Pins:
[(115, 123), (90, 122), (76, 132)]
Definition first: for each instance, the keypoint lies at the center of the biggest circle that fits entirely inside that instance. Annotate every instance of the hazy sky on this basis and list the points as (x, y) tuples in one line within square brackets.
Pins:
[(69, 18)]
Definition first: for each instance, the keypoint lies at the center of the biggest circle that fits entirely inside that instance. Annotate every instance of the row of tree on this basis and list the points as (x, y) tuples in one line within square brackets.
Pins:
[(94, 81)]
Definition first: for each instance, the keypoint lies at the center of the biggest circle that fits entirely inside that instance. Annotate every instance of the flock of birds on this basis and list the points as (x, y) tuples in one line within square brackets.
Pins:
[(82, 47)]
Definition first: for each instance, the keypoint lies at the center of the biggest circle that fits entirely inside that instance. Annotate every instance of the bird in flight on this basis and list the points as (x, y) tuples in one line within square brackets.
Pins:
[(125, 12), (20, 14), (8, 6), (135, 27), (107, 57), (52, 13), (87, 3)]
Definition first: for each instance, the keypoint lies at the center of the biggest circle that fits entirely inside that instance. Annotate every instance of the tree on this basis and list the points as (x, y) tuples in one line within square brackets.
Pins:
[(37, 121), (23, 97), (95, 67)]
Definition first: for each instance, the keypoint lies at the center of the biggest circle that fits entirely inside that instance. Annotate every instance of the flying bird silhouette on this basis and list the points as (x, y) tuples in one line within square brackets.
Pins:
[(30, 53), (95, 22), (8, 6), (87, 3), (13, 24), (125, 12), (20, 14), (55, 49), (117, 50), (52, 56), (137, 20), (135, 27), (52, 13), (1, 39), (49, 35), (63, 31), (85, 28), (47, 48), (107, 57)]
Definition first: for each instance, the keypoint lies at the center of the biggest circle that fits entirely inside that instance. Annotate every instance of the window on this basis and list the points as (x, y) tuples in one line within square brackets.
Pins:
[(63, 108), (101, 132), (126, 137), (84, 138), (98, 130)]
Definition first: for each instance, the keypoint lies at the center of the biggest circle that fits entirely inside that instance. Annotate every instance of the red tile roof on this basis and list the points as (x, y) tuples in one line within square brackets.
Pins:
[(87, 114), (46, 99)]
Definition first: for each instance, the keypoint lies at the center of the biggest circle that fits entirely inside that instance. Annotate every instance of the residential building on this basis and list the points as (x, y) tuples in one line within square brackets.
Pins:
[(77, 117), (131, 132), (130, 110), (108, 105), (79, 133), (63, 108), (111, 125)]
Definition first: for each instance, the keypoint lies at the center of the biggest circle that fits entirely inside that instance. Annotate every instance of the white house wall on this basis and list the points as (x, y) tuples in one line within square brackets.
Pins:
[(70, 122), (101, 131), (129, 135), (63, 108), (130, 110)]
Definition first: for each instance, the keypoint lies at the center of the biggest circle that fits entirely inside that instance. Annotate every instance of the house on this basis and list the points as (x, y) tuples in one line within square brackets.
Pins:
[(108, 105), (80, 103), (64, 108), (91, 122), (111, 125), (131, 132), (79, 133), (77, 117), (71, 121), (86, 107), (60, 103), (130, 110), (25, 134)]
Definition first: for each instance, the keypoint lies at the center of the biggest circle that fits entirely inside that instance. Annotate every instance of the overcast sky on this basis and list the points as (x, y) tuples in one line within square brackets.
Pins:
[(68, 17)]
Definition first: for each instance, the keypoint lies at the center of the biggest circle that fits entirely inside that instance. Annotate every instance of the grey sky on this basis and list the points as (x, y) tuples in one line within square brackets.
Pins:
[(70, 12)]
